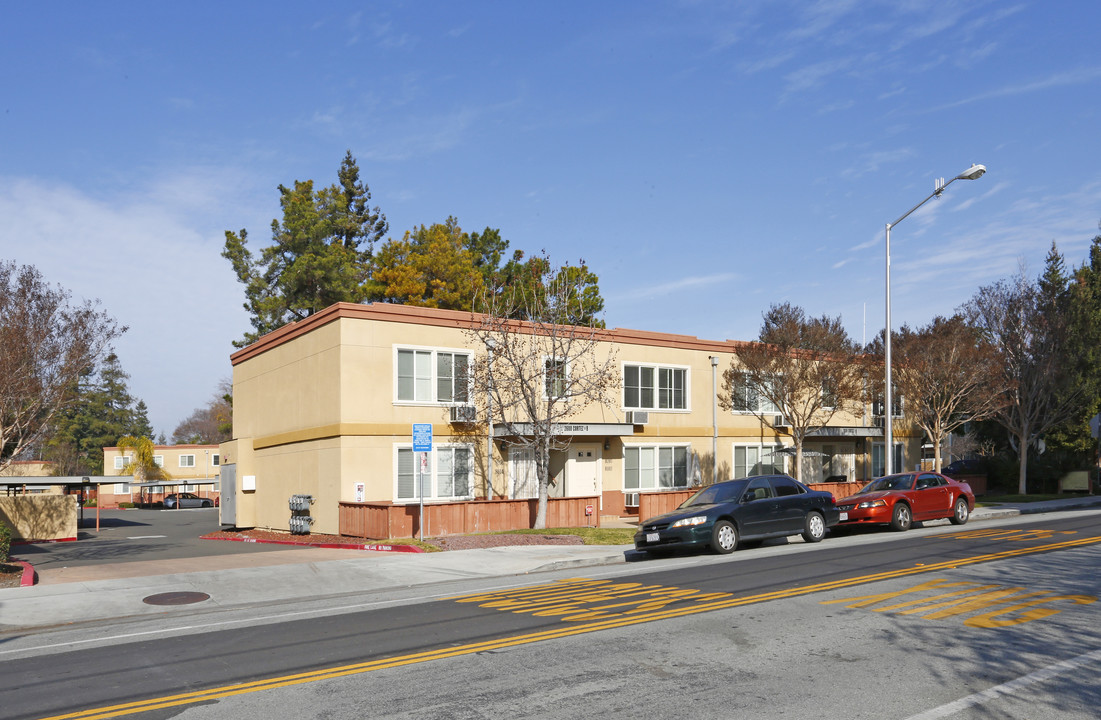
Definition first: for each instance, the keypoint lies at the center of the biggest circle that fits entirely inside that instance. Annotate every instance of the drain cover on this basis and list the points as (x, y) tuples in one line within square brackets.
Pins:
[(176, 598)]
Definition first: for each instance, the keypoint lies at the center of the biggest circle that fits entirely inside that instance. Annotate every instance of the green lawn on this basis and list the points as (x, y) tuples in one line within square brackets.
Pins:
[(590, 535)]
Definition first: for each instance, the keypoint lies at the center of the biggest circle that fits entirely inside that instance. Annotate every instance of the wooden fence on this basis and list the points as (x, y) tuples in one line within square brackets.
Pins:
[(383, 520)]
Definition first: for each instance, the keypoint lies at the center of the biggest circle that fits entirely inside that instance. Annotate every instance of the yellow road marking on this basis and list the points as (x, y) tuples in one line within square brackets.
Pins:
[(1003, 534), (718, 601)]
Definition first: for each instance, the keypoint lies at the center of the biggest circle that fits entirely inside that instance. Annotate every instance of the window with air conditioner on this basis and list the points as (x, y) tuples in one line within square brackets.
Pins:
[(652, 387), (746, 397), (431, 375), (655, 467)]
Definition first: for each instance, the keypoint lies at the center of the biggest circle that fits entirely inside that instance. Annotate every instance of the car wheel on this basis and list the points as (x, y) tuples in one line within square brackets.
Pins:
[(902, 518), (961, 513), (207, 503), (815, 527), (724, 538)]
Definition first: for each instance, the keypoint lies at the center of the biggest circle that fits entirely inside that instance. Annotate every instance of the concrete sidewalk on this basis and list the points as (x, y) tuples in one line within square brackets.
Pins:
[(118, 590)]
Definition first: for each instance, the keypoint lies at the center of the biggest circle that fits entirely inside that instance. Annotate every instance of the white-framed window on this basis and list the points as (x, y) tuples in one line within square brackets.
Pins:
[(428, 375), (556, 376), (121, 461), (757, 459), (878, 461), (187, 461), (122, 488), (896, 404), (829, 393), (650, 387), (655, 467), (746, 397), (446, 473), (215, 459), (158, 460)]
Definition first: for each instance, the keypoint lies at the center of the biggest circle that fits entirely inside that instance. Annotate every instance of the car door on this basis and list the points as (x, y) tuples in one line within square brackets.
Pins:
[(757, 512), (931, 497), (791, 504)]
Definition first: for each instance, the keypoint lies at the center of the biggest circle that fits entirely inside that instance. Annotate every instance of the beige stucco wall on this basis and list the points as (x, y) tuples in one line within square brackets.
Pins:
[(40, 517), (315, 412), (204, 455), (28, 468)]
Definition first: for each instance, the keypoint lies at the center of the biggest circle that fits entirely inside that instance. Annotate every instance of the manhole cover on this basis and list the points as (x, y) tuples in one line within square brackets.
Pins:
[(176, 598)]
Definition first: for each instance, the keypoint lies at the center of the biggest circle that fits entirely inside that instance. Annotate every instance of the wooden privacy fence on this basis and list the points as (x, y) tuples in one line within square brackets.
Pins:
[(656, 503), (384, 520)]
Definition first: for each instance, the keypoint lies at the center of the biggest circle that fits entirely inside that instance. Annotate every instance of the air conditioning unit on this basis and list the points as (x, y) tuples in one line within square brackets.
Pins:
[(463, 414), (630, 499), (779, 422), (638, 417)]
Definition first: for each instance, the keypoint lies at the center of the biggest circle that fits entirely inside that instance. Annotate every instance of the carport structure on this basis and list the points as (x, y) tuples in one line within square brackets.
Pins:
[(164, 487), (80, 485)]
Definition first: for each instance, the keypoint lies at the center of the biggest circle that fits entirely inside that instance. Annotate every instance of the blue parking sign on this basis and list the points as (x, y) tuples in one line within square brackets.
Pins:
[(422, 437)]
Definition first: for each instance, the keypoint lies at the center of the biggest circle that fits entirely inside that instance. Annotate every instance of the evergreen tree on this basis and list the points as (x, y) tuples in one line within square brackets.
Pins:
[(320, 253), (103, 412), (429, 267)]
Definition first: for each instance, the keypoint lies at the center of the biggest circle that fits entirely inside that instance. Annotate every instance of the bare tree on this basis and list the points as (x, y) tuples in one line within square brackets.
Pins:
[(948, 375), (211, 424), (45, 344), (542, 371), (807, 369), (1037, 376)]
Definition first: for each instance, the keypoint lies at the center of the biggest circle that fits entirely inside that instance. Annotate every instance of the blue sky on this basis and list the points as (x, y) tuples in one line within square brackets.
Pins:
[(705, 159)]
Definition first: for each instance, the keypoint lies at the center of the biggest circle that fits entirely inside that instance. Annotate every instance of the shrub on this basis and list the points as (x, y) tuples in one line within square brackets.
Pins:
[(5, 542), (126, 505)]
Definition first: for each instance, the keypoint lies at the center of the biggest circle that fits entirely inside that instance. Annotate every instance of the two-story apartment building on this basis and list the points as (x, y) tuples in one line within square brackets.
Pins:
[(325, 407), (193, 468)]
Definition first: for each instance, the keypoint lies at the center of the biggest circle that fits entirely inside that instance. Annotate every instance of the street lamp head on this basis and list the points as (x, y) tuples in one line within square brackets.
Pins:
[(972, 173)]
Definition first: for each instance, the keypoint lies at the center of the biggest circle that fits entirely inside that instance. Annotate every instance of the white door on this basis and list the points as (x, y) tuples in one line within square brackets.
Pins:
[(522, 480), (583, 471)]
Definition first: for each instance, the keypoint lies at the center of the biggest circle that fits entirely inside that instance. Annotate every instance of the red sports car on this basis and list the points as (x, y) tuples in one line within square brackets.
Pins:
[(902, 499)]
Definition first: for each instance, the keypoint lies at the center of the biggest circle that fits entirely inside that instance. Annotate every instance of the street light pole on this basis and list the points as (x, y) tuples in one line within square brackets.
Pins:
[(972, 173)]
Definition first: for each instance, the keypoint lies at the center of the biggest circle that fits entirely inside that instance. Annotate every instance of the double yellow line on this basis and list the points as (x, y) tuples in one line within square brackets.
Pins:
[(552, 634)]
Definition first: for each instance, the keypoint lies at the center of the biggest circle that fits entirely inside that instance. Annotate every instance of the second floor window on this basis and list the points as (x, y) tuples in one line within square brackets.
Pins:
[(187, 461), (655, 388), (556, 374), (433, 376), (746, 396)]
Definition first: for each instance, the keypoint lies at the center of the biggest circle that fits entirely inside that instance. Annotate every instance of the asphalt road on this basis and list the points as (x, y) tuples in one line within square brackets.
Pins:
[(872, 629)]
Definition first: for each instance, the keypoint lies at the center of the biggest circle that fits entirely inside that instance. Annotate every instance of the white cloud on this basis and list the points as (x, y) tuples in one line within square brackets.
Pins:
[(153, 260), (664, 289)]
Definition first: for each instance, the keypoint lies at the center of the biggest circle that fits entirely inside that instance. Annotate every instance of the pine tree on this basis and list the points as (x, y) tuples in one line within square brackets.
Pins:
[(320, 253)]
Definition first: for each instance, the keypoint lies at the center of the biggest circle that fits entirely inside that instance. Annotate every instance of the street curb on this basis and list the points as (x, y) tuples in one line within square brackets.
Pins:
[(27, 578), (330, 546), (577, 563)]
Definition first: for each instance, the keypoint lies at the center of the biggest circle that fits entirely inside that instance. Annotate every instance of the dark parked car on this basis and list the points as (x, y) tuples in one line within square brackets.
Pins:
[(186, 500), (900, 500), (753, 508), (972, 466)]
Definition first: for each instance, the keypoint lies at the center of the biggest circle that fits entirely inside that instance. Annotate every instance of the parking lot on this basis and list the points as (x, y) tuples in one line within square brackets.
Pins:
[(138, 535)]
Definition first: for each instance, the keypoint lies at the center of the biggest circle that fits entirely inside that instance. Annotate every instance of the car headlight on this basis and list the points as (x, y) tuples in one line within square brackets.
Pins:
[(872, 503), (686, 522)]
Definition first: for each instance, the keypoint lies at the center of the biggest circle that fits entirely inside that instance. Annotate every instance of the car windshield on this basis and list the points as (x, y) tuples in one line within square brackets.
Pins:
[(890, 482), (712, 494)]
